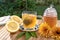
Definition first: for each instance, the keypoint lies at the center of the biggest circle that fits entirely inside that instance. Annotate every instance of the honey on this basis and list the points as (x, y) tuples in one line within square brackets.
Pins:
[(51, 21)]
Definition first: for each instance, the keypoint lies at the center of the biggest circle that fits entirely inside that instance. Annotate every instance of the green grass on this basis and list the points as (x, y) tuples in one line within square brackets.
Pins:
[(40, 9), (58, 11)]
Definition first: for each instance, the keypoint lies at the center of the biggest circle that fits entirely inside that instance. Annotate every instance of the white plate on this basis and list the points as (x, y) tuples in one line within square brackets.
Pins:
[(35, 28), (29, 29)]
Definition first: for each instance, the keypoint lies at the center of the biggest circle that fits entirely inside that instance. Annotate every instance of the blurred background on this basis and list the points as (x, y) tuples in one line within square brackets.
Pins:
[(16, 7)]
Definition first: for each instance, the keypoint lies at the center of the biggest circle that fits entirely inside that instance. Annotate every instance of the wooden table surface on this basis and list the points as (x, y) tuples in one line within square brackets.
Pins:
[(13, 35)]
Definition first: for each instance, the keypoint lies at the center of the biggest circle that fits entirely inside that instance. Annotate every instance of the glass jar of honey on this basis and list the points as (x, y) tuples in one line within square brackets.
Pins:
[(50, 16)]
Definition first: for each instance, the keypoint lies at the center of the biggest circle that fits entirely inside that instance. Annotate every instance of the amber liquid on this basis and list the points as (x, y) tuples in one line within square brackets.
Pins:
[(51, 21), (29, 20)]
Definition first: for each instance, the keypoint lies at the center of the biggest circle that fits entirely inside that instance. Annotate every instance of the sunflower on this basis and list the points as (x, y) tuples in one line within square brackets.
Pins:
[(44, 30), (55, 32)]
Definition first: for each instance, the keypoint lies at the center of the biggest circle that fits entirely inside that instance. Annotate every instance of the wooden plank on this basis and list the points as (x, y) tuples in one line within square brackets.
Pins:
[(13, 35)]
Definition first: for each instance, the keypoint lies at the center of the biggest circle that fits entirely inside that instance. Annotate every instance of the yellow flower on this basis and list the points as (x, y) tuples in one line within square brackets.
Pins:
[(55, 32), (44, 29)]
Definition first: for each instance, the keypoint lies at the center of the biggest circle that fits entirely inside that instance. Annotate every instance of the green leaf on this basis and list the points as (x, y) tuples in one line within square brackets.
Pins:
[(33, 34), (20, 35), (28, 35)]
